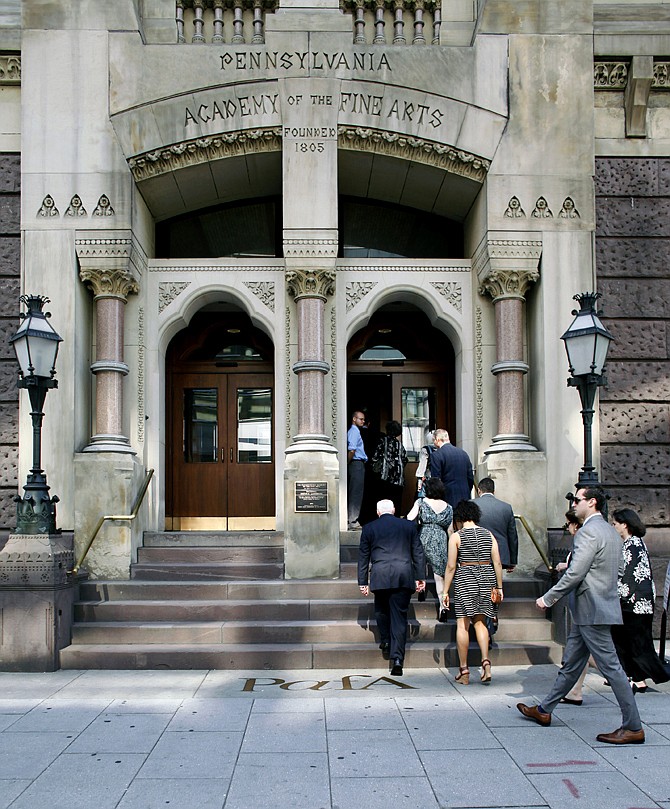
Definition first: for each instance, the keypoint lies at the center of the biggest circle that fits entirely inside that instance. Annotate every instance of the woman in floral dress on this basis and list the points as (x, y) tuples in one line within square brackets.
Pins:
[(633, 639), (435, 516)]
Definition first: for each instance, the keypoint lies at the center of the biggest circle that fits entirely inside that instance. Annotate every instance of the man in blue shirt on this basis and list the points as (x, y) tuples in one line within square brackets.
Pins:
[(356, 459)]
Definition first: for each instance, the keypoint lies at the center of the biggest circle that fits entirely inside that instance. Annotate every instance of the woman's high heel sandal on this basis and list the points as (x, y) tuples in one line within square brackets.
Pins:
[(463, 675), (486, 670)]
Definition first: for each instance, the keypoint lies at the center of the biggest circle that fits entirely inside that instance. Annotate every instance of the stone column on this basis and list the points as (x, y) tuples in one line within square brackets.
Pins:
[(507, 288), (311, 289), (110, 286)]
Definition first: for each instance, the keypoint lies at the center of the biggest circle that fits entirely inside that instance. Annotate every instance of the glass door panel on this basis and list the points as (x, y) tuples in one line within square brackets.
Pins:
[(200, 425), (417, 407), (254, 425)]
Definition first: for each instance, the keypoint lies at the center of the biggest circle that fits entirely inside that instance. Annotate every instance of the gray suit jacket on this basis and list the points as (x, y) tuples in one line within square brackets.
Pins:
[(498, 518), (591, 577)]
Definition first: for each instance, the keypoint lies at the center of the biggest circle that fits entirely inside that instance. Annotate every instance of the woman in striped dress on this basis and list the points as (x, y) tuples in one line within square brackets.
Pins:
[(473, 564)]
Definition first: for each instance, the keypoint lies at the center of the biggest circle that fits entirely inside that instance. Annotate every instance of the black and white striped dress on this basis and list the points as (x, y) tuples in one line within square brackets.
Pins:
[(473, 583)]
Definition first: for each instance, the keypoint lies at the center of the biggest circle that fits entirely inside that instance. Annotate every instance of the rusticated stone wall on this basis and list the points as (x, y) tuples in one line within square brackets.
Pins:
[(10, 247), (633, 272)]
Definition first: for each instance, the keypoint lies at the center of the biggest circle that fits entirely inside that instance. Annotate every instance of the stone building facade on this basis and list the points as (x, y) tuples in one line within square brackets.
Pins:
[(252, 219)]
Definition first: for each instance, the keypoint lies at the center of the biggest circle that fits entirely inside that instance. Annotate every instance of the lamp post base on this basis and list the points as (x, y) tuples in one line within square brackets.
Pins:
[(36, 600)]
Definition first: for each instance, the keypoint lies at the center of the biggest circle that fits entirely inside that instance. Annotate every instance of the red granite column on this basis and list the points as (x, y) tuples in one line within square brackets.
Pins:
[(507, 288), (110, 288)]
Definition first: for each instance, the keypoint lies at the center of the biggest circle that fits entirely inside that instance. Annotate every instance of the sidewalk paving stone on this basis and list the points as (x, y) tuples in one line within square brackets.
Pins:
[(121, 733), (174, 793), (79, 781), (281, 781), (193, 755), (382, 793), (319, 739), (591, 789)]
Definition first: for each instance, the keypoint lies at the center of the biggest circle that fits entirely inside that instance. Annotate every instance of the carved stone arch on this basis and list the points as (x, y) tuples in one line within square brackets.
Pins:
[(200, 296)]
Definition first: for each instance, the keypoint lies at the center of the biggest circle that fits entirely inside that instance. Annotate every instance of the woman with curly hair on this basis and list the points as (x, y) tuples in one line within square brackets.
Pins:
[(633, 639), (473, 564)]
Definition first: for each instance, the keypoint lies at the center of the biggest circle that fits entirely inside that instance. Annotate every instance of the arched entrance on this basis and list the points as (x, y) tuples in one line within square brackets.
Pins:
[(400, 367), (220, 424)]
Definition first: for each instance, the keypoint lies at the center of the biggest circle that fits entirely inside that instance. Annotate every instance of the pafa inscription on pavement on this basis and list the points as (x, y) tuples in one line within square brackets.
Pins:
[(345, 683)]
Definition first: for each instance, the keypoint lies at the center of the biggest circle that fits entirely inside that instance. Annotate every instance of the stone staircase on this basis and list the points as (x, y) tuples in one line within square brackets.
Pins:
[(219, 601)]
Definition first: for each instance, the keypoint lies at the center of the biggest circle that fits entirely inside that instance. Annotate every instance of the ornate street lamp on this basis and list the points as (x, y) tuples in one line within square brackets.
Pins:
[(586, 343), (36, 347)]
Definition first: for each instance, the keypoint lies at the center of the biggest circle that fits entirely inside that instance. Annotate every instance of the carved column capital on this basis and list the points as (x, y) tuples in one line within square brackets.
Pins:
[(508, 283), (109, 283), (310, 283)]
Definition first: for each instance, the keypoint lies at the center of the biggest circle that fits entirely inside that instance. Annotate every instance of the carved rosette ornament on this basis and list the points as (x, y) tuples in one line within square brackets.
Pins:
[(501, 284), (111, 283), (310, 283)]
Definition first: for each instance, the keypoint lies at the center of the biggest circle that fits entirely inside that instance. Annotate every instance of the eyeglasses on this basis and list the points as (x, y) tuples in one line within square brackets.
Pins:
[(579, 499)]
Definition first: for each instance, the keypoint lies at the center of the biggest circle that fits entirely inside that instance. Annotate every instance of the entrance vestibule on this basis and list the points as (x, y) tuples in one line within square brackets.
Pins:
[(400, 367), (220, 443)]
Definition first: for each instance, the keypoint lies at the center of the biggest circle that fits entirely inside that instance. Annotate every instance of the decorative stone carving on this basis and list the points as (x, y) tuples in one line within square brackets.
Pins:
[(104, 207), (168, 291), (479, 373), (264, 291), (568, 210), (508, 283), (356, 291), (288, 374), (610, 75), (514, 209), (661, 76), (310, 248), (115, 283), (204, 150), (10, 68), (48, 207), (116, 250), (36, 561), (451, 291), (310, 283), (542, 209), (76, 207), (140, 375), (418, 150), (333, 373)]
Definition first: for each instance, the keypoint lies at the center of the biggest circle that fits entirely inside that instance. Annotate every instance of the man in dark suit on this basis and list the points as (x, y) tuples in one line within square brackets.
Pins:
[(498, 518), (453, 466), (591, 582), (392, 554)]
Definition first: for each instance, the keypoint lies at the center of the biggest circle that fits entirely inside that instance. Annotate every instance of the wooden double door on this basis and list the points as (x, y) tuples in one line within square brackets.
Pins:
[(221, 451)]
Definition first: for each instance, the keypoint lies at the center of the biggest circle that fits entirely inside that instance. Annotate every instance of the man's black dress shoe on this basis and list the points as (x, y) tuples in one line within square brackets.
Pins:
[(396, 671), (386, 650)]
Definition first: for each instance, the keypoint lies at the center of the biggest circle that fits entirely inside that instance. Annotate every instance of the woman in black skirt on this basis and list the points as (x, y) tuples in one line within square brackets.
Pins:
[(632, 639)]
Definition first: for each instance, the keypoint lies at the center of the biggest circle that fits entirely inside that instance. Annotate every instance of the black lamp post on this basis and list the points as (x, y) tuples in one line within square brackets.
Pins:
[(586, 343), (36, 347)]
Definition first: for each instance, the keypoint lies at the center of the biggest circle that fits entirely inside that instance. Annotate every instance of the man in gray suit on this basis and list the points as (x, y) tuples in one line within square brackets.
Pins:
[(498, 518), (591, 582)]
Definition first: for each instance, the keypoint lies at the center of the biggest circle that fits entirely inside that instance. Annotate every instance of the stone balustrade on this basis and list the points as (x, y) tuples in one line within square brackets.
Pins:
[(374, 22)]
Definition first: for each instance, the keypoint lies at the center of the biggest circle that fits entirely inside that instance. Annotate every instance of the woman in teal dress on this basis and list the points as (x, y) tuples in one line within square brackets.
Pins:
[(435, 516)]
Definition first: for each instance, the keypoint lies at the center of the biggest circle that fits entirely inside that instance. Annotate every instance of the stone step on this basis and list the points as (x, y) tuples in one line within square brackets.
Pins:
[(296, 656), (191, 571), (216, 539), (289, 632), (286, 610), (274, 590), (205, 554)]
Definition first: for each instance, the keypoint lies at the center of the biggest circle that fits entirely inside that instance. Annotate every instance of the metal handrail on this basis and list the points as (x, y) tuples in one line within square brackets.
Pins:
[(543, 555), (125, 517)]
